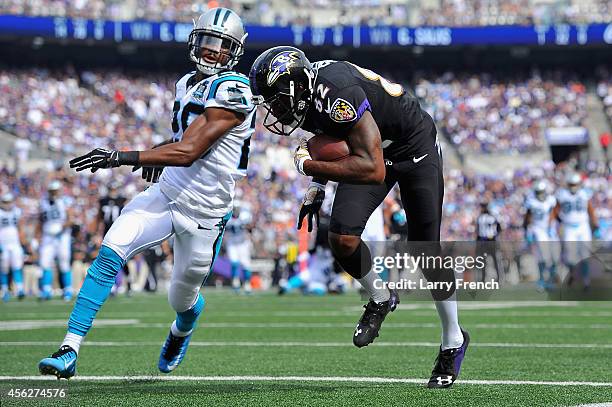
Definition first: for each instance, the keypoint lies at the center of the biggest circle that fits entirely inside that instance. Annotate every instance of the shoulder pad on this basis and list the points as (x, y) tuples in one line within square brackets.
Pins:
[(231, 91)]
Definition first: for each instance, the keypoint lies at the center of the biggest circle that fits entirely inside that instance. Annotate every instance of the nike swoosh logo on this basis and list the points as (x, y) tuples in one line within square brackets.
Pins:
[(203, 228), (416, 160)]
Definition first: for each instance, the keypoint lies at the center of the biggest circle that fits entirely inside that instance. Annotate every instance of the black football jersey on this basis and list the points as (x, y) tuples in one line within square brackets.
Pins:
[(344, 92), (110, 209)]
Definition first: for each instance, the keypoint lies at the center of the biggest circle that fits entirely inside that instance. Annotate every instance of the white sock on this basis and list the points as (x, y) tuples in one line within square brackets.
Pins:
[(451, 332), (368, 283), (176, 332), (73, 340)]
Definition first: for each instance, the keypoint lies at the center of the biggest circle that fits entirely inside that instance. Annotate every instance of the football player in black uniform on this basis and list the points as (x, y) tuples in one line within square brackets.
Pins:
[(392, 141), (110, 209)]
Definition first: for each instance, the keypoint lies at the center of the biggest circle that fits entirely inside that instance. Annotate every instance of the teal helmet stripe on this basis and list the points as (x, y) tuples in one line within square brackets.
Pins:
[(217, 14), (225, 17)]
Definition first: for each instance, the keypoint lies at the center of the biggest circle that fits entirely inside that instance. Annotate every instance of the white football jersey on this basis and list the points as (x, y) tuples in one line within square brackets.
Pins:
[(540, 211), (53, 216), (207, 186), (8, 226), (574, 207)]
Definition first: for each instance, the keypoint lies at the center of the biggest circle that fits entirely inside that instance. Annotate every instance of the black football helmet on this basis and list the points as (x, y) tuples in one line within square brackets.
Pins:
[(282, 80)]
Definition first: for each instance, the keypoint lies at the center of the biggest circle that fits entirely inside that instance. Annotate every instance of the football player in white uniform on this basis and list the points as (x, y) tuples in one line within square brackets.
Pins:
[(11, 252), (238, 246), (542, 238), (55, 241), (214, 119), (577, 220)]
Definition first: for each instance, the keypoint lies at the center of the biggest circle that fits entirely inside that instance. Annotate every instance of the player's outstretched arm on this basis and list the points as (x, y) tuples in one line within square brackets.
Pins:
[(201, 134), (365, 165)]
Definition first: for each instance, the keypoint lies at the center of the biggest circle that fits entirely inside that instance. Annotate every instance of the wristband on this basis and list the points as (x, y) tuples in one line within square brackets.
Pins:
[(129, 158)]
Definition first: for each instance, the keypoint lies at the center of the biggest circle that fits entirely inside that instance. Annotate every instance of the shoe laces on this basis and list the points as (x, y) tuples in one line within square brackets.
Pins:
[(373, 312), (444, 361), (174, 345), (62, 351)]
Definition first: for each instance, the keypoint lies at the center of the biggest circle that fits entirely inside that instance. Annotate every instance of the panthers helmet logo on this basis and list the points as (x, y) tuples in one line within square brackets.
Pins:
[(280, 65)]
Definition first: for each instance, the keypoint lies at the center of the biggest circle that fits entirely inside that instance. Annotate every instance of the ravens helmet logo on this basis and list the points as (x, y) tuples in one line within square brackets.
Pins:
[(280, 65)]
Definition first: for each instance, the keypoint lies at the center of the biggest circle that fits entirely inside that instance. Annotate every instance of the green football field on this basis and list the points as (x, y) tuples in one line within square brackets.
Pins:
[(295, 350)]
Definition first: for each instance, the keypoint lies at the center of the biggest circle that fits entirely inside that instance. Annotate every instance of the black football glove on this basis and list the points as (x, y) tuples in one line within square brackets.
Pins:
[(313, 199), (152, 173), (101, 158), (149, 174)]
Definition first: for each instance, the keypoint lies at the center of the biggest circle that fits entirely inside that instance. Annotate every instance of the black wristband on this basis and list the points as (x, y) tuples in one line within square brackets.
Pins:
[(129, 157)]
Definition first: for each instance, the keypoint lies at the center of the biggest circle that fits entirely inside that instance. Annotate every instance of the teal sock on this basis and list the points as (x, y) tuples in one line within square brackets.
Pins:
[(541, 269), (18, 279), (186, 320), (95, 290), (4, 282), (247, 276), (66, 278), (46, 281)]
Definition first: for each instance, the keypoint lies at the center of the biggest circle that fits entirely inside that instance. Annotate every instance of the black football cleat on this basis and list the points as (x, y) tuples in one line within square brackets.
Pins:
[(372, 318), (448, 364)]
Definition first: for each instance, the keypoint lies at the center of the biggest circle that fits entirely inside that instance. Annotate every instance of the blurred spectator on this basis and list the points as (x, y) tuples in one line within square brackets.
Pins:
[(480, 113), (65, 111), (331, 12)]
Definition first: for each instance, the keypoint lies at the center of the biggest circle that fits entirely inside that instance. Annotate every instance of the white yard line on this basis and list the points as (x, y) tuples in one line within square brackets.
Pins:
[(322, 344), (53, 323), (303, 379), (134, 323)]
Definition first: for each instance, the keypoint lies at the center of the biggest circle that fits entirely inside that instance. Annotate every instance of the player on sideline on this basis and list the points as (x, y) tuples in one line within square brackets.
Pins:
[(11, 253), (111, 206), (578, 223), (214, 119), (238, 240), (392, 140), (541, 237), (55, 241)]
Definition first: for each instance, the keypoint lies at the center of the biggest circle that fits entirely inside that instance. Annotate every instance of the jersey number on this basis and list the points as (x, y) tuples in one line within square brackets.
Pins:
[(111, 212), (9, 221), (577, 206), (190, 108), (246, 147), (393, 89)]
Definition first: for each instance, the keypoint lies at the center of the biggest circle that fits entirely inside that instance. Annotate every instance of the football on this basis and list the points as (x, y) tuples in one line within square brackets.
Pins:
[(325, 148)]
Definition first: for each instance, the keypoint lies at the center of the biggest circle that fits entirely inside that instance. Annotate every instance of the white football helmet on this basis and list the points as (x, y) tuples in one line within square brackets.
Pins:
[(220, 32), (6, 202), (573, 182), (540, 189)]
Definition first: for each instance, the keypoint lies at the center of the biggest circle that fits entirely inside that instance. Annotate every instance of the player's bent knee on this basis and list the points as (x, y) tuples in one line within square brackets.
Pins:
[(343, 245), (359, 263), (181, 295)]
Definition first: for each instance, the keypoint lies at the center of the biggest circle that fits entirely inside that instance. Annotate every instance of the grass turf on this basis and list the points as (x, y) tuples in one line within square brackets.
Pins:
[(226, 344)]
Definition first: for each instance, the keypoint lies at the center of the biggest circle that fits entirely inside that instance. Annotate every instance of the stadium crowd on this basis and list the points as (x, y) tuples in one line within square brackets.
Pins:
[(67, 111), (330, 12), (604, 91), (481, 113)]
